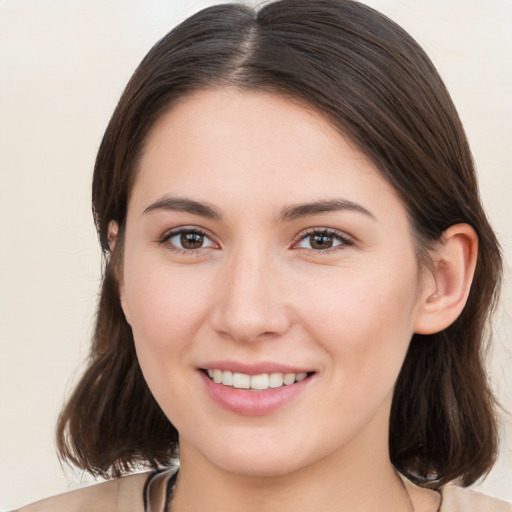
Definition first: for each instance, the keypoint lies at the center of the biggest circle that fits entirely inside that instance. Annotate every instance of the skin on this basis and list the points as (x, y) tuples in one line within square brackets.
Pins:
[(258, 289)]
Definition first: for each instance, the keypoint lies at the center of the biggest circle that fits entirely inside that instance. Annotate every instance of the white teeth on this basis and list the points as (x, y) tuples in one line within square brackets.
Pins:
[(260, 381), (276, 380), (227, 378), (217, 376), (256, 382), (289, 378), (241, 381)]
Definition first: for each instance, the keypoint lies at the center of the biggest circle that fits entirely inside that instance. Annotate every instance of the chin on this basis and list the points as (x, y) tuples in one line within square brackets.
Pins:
[(258, 462), (269, 468)]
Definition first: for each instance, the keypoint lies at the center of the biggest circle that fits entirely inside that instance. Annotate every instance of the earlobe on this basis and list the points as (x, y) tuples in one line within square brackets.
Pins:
[(113, 230), (446, 289)]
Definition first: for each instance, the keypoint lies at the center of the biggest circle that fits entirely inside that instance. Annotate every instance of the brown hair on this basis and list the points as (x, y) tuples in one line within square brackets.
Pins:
[(373, 82)]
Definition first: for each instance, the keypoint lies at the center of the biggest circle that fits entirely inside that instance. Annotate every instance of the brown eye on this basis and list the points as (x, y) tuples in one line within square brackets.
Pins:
[(188, 240), (191, 240), (322, 240)]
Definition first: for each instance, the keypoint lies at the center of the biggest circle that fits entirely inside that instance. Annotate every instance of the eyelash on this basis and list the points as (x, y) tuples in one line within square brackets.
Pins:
[(336, 235), (165, 239), (343, 240)]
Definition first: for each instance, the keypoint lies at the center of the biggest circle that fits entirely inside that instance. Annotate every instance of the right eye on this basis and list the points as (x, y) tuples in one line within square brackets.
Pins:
[(188, 240)]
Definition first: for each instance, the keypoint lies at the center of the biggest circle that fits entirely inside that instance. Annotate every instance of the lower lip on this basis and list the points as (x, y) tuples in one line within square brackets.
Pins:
[(253, 403)]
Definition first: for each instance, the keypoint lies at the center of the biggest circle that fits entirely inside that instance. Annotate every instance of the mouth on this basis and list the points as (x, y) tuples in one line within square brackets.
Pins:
[(255, 389), (260, 382)]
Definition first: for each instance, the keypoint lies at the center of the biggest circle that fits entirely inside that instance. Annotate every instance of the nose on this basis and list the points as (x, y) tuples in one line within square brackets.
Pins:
[(251, 303)]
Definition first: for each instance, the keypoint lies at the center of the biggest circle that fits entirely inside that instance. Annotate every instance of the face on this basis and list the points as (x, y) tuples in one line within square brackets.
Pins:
[(263, 251)]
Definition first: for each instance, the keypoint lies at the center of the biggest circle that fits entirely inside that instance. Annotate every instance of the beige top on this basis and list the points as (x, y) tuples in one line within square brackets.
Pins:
[(131, 494)]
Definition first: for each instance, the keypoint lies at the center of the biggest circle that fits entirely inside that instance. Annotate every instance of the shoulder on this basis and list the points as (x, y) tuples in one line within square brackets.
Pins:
[(120, 495), (458, 499), (454, 499)]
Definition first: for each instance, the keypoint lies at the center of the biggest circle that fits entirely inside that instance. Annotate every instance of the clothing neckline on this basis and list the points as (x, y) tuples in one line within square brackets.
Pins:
[(158, 489), (159, 486)]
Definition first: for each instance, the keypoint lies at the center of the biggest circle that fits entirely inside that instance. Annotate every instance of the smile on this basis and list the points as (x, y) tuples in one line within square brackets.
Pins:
[(254, 382), (257, 389)]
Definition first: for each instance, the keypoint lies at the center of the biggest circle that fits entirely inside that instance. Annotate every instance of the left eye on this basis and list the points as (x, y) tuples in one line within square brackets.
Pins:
[(321, 240), (189, 240)]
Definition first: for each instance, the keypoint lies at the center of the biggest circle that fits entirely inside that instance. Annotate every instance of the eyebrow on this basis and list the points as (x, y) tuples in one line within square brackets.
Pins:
[(329, 205), (177, 204), (287, 213)]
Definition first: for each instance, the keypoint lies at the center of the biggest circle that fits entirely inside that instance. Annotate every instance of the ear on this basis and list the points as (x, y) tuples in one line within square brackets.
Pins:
[(446, 287), (112, 233), (112, 237)]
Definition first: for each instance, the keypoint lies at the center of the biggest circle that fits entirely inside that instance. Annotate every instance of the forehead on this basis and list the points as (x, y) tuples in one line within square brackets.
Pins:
[(230, 116), (240, 144)]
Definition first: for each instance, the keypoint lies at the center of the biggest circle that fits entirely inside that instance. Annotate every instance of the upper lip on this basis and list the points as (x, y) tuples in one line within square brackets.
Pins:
[(253, 368)]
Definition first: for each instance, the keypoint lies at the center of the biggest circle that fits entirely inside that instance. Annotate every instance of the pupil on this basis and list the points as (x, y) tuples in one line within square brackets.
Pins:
[(321, 241), (191, 240)]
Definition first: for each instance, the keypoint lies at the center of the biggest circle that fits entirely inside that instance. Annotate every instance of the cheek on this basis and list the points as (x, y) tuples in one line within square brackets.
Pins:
[(166, 314), (364, 319), (164, 304)]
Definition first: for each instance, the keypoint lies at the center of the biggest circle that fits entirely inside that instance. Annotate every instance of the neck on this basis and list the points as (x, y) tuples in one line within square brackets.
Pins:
[(352, 479)]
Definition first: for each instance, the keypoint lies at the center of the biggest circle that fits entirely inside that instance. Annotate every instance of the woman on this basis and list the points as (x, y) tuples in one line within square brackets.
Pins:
[(298, 274)]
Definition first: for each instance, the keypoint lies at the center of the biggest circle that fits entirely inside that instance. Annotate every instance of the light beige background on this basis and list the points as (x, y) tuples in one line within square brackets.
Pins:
[(63, 65)]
